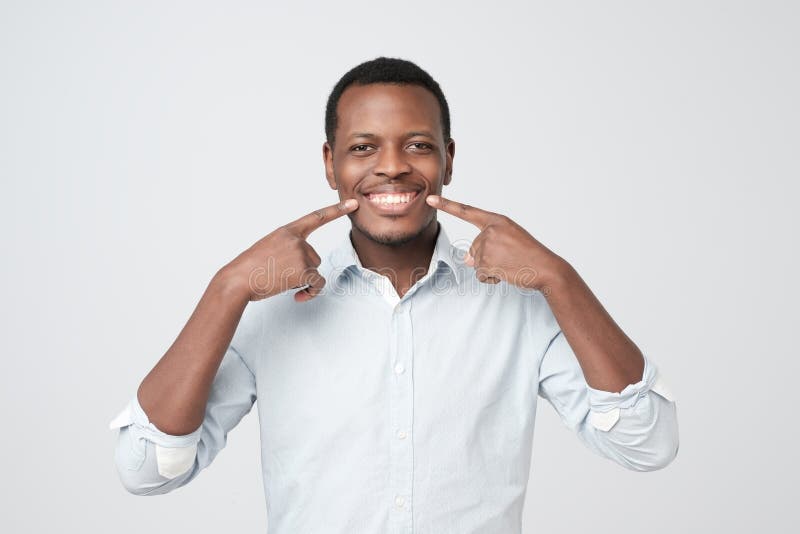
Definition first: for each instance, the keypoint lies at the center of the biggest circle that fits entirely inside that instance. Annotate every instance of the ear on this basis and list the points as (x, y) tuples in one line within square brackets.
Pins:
[(450, 153), (327, 158)]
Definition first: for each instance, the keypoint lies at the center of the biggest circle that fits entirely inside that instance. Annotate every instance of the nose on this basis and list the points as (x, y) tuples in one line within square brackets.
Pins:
[(391, 163)]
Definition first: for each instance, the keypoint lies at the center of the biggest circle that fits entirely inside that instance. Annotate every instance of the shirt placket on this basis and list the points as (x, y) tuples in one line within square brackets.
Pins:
[(401, 404)]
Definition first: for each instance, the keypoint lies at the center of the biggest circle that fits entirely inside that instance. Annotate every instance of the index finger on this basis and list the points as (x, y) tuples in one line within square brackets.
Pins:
[(478, 217), (308, 223)]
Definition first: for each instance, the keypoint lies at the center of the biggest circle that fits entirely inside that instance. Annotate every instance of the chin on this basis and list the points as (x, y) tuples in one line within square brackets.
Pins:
[(391, 237)]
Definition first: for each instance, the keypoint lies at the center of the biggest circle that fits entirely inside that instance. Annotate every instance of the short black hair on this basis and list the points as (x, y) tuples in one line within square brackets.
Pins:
[(384, 70)]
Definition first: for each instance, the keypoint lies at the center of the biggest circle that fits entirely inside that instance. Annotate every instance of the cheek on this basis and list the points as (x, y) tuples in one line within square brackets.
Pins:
[(347, 176), (432, 170)]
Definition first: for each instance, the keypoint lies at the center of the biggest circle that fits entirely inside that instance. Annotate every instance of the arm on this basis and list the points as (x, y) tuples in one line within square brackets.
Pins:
[(627, 413), (151, 461), (589, 357), (636, 427), (165, 437), (504, 250), (175, 392), (202, 386), (609, 359)]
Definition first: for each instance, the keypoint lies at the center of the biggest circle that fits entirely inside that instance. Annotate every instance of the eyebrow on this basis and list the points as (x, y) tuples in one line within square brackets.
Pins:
[(369, 135)]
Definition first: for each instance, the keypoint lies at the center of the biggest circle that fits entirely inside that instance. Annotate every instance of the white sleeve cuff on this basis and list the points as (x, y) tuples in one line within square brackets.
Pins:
[(134, 414), (174, 454), (605, 406)]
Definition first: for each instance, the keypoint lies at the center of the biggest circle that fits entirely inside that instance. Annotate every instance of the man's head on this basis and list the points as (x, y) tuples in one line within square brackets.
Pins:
[(387, 126)]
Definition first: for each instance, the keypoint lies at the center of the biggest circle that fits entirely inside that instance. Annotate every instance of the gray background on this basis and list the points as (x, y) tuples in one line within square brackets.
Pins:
[(653, 145)]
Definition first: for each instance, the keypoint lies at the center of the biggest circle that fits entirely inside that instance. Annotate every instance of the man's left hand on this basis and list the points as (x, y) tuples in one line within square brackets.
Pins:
[(503, 250)]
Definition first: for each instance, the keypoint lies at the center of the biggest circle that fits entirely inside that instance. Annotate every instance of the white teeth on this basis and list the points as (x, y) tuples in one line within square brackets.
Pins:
[(391, 199)]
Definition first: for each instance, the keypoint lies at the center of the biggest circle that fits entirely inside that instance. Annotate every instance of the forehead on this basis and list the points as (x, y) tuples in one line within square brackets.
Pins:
[(387, 108)]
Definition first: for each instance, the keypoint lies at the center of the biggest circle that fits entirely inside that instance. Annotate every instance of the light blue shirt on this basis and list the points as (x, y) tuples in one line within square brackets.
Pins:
[(381, 414)]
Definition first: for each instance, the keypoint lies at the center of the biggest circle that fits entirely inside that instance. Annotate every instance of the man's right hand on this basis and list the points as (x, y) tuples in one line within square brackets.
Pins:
[(283, 259)]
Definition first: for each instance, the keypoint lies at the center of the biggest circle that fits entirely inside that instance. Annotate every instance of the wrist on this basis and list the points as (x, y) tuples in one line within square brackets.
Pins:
[(228, 284), (557, 277)]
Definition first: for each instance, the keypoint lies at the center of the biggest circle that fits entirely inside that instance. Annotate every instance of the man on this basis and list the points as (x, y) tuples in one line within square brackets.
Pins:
[(397, 386)]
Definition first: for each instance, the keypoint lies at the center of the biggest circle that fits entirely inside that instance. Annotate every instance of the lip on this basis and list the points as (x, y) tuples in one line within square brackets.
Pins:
[(394, 209)]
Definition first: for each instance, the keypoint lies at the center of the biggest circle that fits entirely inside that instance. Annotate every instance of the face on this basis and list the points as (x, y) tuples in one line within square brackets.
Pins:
[(389, 154)]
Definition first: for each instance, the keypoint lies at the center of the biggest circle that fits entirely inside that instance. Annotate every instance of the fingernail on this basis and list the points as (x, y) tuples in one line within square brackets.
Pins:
[(432, 199), (350, 203)]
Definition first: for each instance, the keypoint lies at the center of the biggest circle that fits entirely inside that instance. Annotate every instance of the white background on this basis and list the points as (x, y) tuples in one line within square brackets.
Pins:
[(653, 145)]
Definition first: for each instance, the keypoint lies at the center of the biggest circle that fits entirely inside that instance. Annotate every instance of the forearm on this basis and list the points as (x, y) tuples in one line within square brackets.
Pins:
[(175, 392), (609, 359)]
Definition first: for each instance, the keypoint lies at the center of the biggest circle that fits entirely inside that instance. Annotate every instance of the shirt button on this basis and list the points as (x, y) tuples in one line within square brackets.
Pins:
[(399, 501), (399, 369), (401, 434)]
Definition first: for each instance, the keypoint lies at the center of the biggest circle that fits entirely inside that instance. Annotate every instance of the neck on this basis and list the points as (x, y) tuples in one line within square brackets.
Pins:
[(403, 264)]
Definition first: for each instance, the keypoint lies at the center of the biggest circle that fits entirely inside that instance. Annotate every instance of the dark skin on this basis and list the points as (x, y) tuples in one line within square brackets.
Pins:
[(387, 136)]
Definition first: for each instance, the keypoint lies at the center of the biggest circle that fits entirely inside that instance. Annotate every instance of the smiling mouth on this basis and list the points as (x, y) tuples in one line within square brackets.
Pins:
[(392, 202)]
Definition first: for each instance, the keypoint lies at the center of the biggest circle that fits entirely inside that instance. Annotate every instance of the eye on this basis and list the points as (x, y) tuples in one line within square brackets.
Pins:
[(360, 148), (422, 146)]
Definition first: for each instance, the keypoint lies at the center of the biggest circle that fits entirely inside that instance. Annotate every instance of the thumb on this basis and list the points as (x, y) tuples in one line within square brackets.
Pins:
[(315, 283)]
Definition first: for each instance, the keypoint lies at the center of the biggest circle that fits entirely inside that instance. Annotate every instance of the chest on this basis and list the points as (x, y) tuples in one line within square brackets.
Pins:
[(369, 367)]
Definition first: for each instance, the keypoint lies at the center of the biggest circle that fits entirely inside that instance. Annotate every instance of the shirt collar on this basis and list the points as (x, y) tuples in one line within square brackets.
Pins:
[(344, 257)]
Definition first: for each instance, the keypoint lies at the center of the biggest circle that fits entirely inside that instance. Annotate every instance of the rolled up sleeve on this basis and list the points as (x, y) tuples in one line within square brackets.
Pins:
[(148, 459), (151, 462), (637, 427)]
